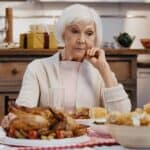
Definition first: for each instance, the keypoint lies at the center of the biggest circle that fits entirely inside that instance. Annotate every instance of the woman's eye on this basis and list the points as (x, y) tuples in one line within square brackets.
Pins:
[(89, 33), (74, 31)]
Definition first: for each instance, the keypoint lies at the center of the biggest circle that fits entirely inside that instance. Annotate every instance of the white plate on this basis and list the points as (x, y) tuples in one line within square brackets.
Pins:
[(131, 136), (90, 122), (99, 120), (99, 127), (43, 143), (87, 122)]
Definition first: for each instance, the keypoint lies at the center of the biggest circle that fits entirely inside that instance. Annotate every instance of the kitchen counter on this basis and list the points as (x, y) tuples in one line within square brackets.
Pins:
[(48, 52), (20, 51)]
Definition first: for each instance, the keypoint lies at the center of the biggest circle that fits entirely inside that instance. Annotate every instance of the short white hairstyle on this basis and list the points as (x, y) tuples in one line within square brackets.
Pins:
[(75, 13)]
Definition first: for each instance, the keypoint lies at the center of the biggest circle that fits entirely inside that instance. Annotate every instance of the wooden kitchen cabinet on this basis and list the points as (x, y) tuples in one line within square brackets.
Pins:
[(13, 63), (125, 69)]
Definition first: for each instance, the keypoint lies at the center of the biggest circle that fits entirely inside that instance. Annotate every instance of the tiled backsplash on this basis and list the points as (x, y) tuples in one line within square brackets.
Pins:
[(116, 18)]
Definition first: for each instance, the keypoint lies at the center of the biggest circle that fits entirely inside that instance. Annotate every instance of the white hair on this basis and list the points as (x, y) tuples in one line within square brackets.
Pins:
[(78, 12)]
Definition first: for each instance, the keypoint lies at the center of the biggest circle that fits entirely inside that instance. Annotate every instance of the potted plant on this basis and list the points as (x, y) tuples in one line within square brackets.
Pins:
[(124, 40)]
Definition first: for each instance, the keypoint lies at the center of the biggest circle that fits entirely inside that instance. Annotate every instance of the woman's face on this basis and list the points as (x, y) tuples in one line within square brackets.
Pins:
[(78, 38)]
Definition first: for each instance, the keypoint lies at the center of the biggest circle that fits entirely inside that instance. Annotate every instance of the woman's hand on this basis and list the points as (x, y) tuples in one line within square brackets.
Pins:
[(97, 57), (7, 119), (99, 61)]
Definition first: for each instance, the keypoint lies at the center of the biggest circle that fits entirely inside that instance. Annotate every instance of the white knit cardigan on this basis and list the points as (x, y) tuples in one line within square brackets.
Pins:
[(43, 75)]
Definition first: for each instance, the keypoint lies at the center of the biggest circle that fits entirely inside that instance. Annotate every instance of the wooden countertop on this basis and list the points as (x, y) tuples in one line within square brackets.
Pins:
[(45, 52)]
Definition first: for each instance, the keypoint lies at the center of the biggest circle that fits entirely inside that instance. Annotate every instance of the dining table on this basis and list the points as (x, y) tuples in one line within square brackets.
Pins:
[(96, 141), (102, 147), (116, 147)]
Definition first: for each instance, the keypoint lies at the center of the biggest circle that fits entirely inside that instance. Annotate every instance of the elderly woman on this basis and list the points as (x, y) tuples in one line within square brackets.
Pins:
[(74, 77)]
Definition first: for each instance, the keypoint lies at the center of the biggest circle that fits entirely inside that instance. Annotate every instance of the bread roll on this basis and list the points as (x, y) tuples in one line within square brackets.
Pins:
[(82, 113), (147, 108), (97, 112)]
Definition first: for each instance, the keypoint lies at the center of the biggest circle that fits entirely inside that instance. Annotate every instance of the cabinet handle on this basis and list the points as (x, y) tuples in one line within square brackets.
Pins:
[(14, 71)]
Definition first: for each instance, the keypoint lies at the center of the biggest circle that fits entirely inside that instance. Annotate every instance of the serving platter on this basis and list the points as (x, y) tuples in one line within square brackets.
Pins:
[(97, 125), (90, 122), (43, 143)]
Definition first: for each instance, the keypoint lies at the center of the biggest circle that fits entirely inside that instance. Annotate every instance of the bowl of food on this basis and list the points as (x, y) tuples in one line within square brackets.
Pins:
[(131, 136), (131, 129), (145, 42)]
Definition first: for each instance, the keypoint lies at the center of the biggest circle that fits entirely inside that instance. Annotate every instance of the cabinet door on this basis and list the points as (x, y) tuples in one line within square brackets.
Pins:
[(124, 68), (11, 75), (2, 108), (143, 84)]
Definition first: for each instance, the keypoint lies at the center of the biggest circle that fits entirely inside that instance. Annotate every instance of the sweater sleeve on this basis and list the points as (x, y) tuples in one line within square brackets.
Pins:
[(116, 99), (29, 93)]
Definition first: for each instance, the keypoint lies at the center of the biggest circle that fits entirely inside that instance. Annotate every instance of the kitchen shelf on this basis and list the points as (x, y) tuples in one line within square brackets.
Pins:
[(44, 52)]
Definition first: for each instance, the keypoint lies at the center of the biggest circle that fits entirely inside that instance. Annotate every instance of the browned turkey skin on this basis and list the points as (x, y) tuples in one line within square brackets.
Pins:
[(42, 123)]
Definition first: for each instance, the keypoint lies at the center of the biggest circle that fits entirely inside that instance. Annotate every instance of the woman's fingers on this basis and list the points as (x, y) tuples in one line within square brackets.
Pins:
[(94, 52), (90, 52)]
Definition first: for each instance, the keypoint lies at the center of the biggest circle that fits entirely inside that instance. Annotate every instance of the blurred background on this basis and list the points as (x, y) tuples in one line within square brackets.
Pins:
[(117, 16), (131, 16)]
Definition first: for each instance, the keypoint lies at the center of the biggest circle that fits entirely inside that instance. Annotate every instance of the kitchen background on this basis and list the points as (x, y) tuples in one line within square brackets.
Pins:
[(133, 18), (130, 16)]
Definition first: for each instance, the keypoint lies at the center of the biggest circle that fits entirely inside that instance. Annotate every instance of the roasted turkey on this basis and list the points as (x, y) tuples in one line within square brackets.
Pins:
[(42, 123)]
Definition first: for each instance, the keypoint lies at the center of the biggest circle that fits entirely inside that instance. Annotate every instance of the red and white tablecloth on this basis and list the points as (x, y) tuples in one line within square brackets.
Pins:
[(95, 140)]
